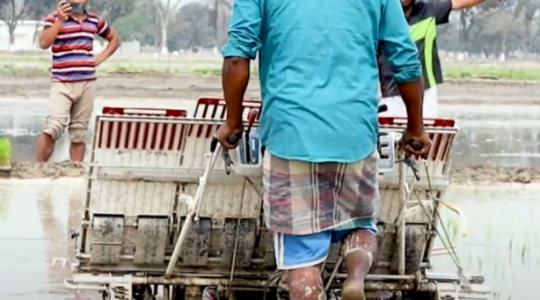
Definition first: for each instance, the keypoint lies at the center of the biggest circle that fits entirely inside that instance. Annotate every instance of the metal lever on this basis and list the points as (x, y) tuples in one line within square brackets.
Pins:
[(233, 139), (251, 119), (416, 145), (412, 164)]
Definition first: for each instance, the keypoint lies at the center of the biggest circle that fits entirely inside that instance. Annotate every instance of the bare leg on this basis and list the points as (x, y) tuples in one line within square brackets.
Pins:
[(306, 284), (359, 251), (45, 147), (76, 151)]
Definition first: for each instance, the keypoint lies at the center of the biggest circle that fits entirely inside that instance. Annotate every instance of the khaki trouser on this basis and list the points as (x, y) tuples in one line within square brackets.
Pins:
[(70, 105)]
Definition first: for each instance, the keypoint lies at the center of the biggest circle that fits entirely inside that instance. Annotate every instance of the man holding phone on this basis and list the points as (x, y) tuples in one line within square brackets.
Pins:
[(70, 31)]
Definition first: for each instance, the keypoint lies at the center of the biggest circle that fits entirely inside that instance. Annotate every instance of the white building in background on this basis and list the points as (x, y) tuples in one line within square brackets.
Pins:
[(24, 36), (25, 32)]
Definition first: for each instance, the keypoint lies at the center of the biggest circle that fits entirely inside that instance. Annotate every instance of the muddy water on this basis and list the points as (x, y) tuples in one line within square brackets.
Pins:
[(35, 217), (504, 136), (503, 241)]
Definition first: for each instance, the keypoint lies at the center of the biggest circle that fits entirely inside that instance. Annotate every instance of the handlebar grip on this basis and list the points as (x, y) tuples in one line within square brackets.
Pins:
[(232, 139), (416, 145), (382, 108)]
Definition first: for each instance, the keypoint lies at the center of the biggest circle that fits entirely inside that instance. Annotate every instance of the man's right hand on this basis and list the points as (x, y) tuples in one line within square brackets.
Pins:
[(419, 136), (64, 9), (225, 131)]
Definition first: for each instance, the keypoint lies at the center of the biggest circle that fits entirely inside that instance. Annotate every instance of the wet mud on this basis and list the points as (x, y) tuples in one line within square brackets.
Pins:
[(50, 170), (459, 175), (460, 91), (488, 175)]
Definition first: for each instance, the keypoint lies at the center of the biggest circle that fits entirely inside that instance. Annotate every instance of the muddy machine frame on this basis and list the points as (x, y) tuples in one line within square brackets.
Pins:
[(164, 217)]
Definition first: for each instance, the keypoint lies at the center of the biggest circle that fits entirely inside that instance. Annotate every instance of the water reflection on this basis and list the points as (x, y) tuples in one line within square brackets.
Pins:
[(4, 204), (34, 229), (503, 242), (24, 148), (502, 136), (498, 143)]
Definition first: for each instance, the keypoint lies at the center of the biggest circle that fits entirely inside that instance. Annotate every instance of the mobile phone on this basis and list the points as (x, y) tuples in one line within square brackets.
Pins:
[(76, 7)]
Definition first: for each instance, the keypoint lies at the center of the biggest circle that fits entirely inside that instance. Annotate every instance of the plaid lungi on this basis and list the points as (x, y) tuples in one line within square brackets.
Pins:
[(302, 197)]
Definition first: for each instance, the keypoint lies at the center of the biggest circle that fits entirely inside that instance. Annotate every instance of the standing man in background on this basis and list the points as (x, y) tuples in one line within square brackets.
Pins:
[(70, 31), (423, 18), (318, 75)]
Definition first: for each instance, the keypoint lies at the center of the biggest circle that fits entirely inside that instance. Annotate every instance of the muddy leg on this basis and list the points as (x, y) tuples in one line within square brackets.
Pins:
[(359, 251), (45, 147), (306, 284)]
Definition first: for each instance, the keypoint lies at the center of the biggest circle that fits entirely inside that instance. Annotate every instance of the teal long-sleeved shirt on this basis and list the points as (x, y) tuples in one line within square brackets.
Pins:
[(318, 71)]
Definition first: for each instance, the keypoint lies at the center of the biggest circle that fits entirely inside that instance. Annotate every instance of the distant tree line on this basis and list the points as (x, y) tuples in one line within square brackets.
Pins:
[(491, 29)]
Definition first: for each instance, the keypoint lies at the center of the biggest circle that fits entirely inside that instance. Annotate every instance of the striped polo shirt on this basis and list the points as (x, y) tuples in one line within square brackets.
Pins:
[(72, 51)]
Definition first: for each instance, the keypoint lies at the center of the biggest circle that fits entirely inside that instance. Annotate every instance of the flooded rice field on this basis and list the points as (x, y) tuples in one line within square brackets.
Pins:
[(35, 217), (503, 242), (503, 136), (499, 128)]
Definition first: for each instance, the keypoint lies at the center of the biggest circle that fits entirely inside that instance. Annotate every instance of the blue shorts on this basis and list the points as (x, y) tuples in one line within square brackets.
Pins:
[(300, 251)]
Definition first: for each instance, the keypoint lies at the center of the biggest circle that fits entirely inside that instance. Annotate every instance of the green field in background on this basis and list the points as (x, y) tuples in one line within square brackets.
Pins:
[(37, 65)]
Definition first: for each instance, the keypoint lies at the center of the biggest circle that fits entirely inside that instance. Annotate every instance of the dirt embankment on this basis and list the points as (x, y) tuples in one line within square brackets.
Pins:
[(52, 170), (464, 175), (463, 91), (488, 174)]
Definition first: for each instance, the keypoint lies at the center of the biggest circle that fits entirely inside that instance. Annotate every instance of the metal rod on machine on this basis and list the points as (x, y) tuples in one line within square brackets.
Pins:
[(451, 288), (401, 217), (189, 218), (373, 281), (404, 193), (404, 279)]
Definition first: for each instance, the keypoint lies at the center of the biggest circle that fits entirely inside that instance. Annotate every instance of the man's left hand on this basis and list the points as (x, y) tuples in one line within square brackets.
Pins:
[(99, 59), (227, 130)]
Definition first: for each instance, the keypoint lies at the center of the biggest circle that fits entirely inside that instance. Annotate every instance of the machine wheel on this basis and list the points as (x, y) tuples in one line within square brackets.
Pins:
[(415, 240)]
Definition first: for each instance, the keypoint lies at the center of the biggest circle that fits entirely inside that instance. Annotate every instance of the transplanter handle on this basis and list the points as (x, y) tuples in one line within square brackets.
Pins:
[(416, 145), (233, 139)]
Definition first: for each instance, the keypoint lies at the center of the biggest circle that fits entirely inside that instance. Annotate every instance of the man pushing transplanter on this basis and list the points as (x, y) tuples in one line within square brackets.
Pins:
[(423, 18), (70, 32), (318, 74)]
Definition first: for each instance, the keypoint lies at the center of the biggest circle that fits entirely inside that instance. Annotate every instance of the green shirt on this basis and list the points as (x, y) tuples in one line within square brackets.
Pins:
[(423, 22)]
